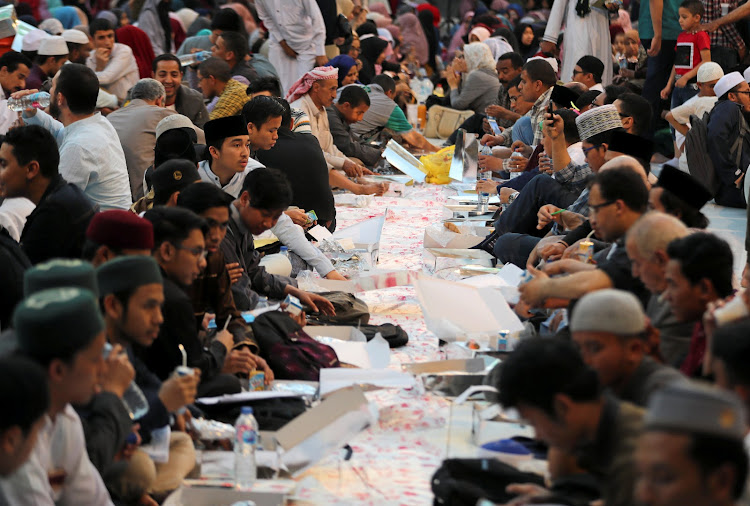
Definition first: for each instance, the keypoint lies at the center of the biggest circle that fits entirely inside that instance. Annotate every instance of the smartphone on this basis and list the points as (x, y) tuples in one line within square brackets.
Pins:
[(549, 109), (493, 124)]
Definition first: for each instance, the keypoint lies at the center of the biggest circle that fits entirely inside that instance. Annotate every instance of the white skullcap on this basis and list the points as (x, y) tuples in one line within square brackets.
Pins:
[(52, 26), (598, 120), (609, 310), (32, 40), (75, 36), (709, 71), (53, 46), (552, 61), (728, 82)]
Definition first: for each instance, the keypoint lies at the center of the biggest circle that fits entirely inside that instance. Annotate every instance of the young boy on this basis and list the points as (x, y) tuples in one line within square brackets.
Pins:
[(692, 50)]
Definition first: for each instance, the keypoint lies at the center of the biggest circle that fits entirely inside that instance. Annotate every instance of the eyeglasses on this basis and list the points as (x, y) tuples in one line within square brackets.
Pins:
[(586, 150), (576, 71), (594, 208), (195, 251), (745, 92)]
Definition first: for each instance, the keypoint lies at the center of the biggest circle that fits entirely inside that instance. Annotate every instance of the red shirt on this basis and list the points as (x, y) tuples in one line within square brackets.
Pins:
[(688, 51)]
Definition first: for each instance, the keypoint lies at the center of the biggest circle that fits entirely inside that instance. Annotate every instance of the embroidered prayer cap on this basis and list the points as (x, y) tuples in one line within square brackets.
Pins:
[(123, 274), (304, 83), (684, 186), (563, 97), (727, 82), (552, 61), (57, 273), (632, 145), (33, 39), (57, 322), (75, 36), (698, 409), (221, 128), (710, 71), (172, 176), (120, 230), (609, 310), (598, 120)]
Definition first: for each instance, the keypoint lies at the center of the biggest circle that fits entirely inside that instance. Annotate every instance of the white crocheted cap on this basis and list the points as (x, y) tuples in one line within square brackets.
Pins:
[(598, 120)]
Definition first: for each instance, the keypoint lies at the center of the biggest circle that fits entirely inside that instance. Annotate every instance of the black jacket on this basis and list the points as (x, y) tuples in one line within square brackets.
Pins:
[(56, 228), (347, 142), (723, 129), (190, 103), (13, 264)]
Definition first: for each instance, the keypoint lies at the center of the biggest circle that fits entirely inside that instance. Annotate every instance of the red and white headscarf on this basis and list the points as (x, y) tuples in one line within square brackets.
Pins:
[(304, 83)]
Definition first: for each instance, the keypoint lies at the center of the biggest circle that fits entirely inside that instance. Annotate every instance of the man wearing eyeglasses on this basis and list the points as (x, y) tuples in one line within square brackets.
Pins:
[(729, 139)]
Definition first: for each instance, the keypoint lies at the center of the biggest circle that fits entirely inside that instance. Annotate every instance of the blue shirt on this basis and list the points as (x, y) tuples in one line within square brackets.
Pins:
[(670, 24)]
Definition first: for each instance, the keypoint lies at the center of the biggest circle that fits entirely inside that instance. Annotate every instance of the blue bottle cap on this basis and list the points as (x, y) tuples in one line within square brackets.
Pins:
[(247, 410)]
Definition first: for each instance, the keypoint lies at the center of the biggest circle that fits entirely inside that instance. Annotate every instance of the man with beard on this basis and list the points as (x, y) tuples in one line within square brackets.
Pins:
[(79, 46), (91, 156)]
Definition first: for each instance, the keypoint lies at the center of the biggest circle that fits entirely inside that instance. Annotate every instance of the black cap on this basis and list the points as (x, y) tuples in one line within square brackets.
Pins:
[(632, 145), (564, 97), (173, 175), (230, 126), (587, 98), (592, 65), (684, 186)]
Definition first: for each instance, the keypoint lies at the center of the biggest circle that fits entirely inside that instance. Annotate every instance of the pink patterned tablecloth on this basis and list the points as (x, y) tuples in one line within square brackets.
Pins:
[(394, 461)]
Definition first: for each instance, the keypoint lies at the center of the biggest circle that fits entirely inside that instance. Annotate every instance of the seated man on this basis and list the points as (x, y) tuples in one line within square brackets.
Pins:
[(611, 331), (300, 158), (681, 195), (588, 71), (618, 198), (179, 242), (232, 48), (728, 138), (694, 435), (79, 46), (565, 406), (216, 81), (699, 271), (170, 178), (14, 69), (646, 244), (635, 112), (384, 113), (115, 233), (114, 63), (25, 388), (91, 155), (62, 330), (52, 55), (131, 295), (352, 105), (28, 168), (227, 153), (167, 69), (265, 194)]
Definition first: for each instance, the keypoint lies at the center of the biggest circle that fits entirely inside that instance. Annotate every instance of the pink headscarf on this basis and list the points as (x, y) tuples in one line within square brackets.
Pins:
[(481, 33), (304, 83), (413, 36)]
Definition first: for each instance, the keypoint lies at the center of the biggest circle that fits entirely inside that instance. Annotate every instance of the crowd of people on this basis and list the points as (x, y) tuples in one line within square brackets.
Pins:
[(188, 147)]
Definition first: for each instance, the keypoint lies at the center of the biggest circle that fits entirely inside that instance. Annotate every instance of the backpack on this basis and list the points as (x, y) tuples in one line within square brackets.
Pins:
[(394, 334), (696, 151), (349, 310), (290, 352)]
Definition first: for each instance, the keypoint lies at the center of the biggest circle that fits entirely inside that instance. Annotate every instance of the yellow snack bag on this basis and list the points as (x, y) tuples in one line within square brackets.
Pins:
[(438, 165)]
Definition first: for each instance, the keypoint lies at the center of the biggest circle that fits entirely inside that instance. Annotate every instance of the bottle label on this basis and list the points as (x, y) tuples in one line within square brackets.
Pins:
[(247, 435)]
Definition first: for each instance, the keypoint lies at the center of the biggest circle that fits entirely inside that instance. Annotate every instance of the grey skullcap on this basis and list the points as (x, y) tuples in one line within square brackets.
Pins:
[(126, 273), (609, 310), (698, 409), (60, 272), (58, 322)]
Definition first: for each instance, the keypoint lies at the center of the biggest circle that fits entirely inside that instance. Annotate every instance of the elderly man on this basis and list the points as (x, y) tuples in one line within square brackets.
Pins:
[(135, 125), (611, 331), (726, 123), (167, 69), (312, 93), (693, 434), (646, 244), (91, 156), (297, 35), (113, 62)]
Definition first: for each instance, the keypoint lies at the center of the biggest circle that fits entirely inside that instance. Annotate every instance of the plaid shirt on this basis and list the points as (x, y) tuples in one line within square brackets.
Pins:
[(231, 100), (536, 114), (727, 35), (580, 206), (503, 100)]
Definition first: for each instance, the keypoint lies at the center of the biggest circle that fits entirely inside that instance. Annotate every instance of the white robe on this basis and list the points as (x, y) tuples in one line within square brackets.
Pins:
[(583, 36)]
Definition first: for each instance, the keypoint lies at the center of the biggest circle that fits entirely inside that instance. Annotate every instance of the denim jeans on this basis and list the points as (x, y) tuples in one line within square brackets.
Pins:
[(522, 131), (657, 75)]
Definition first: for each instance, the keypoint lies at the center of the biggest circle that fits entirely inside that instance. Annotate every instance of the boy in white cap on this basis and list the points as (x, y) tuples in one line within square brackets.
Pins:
[(691, 451), (708, 75), (728, 138), (52, 55), (79, 46), (611, 331)]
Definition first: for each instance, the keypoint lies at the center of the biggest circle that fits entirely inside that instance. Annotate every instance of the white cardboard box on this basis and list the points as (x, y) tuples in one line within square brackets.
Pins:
[(436, 259)]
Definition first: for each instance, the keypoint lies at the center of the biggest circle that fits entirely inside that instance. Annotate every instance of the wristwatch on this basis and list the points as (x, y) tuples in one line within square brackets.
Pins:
[(512, 197)]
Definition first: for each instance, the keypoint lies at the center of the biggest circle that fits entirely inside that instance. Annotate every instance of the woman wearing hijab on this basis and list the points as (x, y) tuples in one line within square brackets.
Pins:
[(347, 67), (457, 40), (413, 37), (373, 53), (427, 20), (154, 20), (473, 79), (67, 15), (138, 41), (498, 47), (528, 42), (479, 34)]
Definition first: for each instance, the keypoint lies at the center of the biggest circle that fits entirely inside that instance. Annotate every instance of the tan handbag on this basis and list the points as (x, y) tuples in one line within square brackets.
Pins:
[(443, 121)]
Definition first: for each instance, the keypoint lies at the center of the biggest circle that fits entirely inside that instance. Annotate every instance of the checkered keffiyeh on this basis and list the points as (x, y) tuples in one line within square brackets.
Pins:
[(305, 82)]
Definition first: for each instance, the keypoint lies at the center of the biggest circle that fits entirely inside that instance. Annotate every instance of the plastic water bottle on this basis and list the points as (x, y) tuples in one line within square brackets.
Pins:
[(133, 399), (193, 58), (262, 302), (284, 251), (39, 100), (245, 441)]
